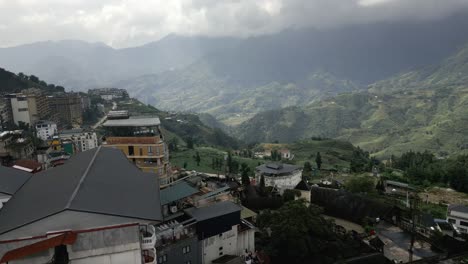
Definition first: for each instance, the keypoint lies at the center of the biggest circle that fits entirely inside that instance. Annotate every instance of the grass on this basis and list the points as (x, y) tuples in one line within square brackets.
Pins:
[(178, 158)]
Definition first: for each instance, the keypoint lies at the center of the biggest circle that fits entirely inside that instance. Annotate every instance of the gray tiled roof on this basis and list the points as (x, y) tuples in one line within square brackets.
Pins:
[(12, 179), (213, 210), (100, 181), (458, 208), (277, 169)]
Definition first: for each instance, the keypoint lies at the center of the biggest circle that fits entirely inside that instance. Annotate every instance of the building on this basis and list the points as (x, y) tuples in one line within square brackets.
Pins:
[(85, 102), (46, 129), (30, 166), (141, 140), (83, 140), (10, 181), (68, 109), (457, 215), (71, 214), (109, 94), (5, 113), (281, 176), (29, 107), (398, 188), (304, 188), (14, 146)]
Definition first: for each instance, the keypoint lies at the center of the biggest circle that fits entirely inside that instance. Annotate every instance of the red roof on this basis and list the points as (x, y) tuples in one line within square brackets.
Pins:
[(67, 238), (28, 165)]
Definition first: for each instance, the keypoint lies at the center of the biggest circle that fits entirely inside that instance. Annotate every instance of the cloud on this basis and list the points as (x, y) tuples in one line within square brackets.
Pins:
[(122, 23)]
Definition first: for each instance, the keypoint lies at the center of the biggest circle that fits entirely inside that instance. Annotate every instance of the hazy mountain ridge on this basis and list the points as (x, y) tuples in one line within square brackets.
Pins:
[(425, 109)]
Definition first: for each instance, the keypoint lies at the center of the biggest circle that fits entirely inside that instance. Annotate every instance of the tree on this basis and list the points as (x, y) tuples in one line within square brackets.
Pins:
[(185, 164), (380, 187), (318, 160), (33, 78), (229, 162), (262, 184), (189, 141), (360, 184), (307, 171), (290, 195), (197, 158), (245, 174)]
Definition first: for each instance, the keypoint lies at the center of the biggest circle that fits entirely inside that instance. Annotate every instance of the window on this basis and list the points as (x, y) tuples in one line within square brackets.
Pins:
[(463, 223), (162, 259), (21, 98), (452, 221), (141, 151), (22, 109), (462, 230), (186, 249), (188, 262)]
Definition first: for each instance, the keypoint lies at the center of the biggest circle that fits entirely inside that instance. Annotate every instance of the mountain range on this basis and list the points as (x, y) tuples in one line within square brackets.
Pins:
[(235, 78), (425, 109)]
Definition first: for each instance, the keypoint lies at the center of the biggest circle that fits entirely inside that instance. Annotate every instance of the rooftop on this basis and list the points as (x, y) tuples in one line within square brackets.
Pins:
[(11, 179), (458, 208), (276, 169), (133, 122), (27, 165), (176, 192), (213, 210), (72, 131), (100, 181)]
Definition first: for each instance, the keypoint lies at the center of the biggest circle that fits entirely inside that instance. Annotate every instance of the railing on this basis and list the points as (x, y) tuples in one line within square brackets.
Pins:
[(149, 256), (148, 237), (174, 234)]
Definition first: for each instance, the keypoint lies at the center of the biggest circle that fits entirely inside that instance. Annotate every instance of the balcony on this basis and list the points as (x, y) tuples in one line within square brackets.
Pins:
[(149, 256), (148, 237), (173, 232)]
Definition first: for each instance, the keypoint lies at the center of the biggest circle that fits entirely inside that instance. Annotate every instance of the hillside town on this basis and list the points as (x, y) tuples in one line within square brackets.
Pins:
[(107, 193)]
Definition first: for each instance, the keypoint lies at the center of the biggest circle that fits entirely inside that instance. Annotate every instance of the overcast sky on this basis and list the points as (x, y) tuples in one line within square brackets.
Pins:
[(124, 23)]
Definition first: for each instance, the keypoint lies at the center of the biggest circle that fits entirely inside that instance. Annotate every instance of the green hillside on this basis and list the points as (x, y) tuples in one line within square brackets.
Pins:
[(419, 110), (12, 83), (199, 89), (181, 125)]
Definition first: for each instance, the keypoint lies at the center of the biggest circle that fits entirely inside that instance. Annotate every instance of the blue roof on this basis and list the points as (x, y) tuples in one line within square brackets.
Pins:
[(176, 192)]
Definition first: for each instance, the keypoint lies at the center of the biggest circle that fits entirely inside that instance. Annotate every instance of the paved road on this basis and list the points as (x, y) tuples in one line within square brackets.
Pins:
[(349, 226), (397, 243)]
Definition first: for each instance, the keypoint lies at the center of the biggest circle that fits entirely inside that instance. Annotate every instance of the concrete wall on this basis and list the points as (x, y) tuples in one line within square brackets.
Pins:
[(175, 253), (246, 240), (40, 258), (219, 245), (20, 116), (283, 182), (456, 218)]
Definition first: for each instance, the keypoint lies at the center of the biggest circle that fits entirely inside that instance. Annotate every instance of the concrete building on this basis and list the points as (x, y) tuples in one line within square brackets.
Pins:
[(81, 218), (10, 181), (83, 140), (46, 129), (141, 140), (29, 107), (304, 188), (281, 176), (457, 215), (109, 94), (5, 113), (68, 108), (14, 146)]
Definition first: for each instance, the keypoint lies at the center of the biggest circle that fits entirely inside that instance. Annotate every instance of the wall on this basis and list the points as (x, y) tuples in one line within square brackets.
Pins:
[(219, 245), (283, 182), (175, 254), (20, 116), (456, 218), (120, 245), (246, 240)]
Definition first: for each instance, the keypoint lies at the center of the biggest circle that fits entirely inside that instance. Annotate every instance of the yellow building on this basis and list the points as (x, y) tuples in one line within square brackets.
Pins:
[(141, 141)]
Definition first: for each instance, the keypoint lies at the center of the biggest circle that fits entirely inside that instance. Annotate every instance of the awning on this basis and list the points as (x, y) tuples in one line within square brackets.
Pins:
[(67, 238)]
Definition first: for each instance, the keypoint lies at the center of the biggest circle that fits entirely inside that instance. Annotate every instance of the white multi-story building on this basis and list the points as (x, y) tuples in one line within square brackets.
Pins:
[(46, 129), (83, 140), (457, 215), (281, 176)]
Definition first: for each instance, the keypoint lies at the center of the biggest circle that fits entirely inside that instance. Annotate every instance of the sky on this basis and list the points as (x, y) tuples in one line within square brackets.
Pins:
[(126, 23)]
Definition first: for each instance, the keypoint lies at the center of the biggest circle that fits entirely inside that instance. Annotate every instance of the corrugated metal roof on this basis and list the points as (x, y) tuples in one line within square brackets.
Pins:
[(12, 179), (176, 192), (133, 122), (100, 181), (213, 210)]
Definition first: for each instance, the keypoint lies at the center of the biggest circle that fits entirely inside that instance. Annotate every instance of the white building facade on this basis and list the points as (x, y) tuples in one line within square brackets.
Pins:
[(281, 176), (458, 216), (83, 140), (46, 129)]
